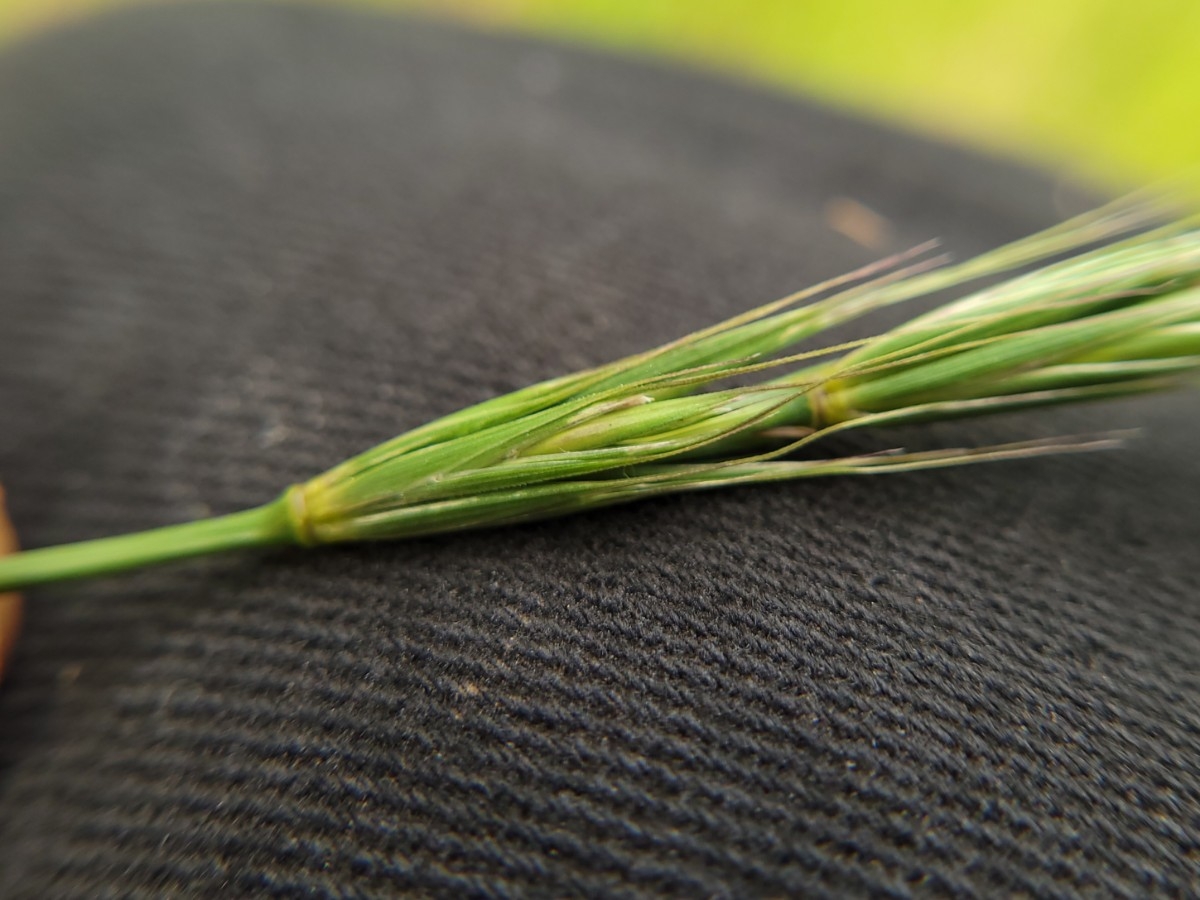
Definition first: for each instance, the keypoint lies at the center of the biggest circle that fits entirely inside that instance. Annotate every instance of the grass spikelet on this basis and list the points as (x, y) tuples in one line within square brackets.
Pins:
[(1120, 318)]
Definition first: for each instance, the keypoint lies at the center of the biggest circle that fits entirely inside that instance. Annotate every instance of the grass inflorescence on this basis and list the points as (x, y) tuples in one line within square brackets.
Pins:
[(1112, 315)]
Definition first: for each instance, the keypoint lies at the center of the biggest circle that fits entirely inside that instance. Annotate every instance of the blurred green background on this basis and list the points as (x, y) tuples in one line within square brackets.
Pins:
[(1107, 90)]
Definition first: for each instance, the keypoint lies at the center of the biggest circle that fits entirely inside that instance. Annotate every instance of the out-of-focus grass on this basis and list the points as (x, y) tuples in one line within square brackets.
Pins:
[(1106, 88)]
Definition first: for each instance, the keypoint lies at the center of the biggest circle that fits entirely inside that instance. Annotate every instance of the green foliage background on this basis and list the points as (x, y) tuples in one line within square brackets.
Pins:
[(1106, 89)]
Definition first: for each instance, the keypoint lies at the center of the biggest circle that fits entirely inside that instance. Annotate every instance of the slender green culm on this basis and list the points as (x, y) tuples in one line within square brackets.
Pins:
[(1104, 306)]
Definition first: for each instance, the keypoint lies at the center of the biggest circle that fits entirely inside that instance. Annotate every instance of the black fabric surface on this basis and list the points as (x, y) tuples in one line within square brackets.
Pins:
[(240, 243)]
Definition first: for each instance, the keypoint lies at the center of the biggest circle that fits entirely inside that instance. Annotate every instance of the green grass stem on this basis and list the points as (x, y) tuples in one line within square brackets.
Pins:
[(262, 526), (733, 403)]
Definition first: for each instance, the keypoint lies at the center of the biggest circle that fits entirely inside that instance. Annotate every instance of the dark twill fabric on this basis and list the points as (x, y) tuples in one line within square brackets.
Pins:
[(240, 243)]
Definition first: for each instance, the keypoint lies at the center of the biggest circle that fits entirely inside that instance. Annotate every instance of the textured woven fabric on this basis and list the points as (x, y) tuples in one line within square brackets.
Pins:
[(238, 243)]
